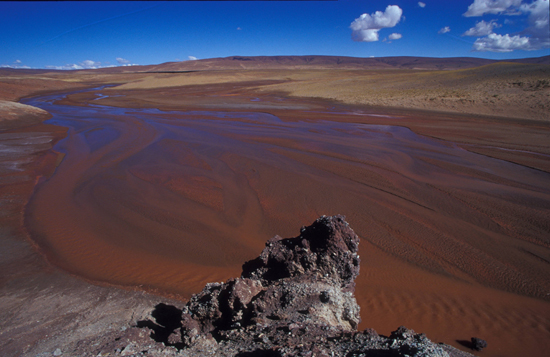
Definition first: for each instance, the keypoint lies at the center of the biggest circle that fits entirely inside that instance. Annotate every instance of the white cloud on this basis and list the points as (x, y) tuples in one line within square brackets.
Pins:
[(482, 28), (395, 36), (536, 36), (365, 28), (16, 64), (192, 58), (239, 29), (481, 7), (539, 13), (66, 67), (89, 64), (501, 43), (421, 4), (444, 30), (121, 60)]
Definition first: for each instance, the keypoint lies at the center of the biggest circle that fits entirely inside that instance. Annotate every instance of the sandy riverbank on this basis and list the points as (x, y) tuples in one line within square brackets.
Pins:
[(44, 309)]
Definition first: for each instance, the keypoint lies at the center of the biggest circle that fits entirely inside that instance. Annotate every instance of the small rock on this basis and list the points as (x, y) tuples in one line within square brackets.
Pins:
[(57, 352), (478, 344)]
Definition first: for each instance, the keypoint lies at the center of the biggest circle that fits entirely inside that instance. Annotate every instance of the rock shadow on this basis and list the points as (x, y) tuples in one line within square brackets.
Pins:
[(466, 343), (476, 343), (167, 322)]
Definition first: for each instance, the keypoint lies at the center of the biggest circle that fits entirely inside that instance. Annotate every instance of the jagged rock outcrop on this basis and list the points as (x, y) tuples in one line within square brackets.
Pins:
[(296, 299), (296, 284)]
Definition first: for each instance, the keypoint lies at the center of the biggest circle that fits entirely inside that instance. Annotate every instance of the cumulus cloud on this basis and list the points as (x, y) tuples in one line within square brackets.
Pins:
[(89, 64), (481, 7), (482, 28), (536, 36), (444, 30), (395, 36), (121, 60), (539, 14), (501, 43), (365, 28), (421, 4), (192, 58)]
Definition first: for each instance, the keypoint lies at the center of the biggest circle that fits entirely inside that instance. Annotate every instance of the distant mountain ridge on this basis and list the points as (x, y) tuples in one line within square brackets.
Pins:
[(306, 62), (333, 62)]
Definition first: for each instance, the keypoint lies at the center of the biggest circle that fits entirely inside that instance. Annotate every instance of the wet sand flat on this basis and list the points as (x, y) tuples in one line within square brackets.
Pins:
[(454, 233), (42, 307)]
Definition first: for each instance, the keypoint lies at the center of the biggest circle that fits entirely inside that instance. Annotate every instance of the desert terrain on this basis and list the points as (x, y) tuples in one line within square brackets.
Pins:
[(145, 183)]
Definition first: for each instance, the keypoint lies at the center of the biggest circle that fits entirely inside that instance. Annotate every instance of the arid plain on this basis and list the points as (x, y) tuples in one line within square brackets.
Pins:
[(148, 182)]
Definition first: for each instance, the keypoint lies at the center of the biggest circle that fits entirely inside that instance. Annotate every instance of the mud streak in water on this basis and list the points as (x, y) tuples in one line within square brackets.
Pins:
[(172, 200)]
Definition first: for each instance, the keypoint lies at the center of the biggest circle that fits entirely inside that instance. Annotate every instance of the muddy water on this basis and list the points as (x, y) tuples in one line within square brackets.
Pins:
[(454, 244)]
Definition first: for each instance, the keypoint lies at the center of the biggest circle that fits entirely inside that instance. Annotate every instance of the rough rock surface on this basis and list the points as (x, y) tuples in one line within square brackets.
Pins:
[(296, 299), (478, 344), (305, 282)]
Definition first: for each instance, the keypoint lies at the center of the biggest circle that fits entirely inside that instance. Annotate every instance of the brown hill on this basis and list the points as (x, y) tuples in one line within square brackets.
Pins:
[(534, 60), (433, 63), (320, 62)]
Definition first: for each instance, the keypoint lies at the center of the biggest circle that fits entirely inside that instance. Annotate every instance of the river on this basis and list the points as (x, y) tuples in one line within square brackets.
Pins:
[(453, 243)]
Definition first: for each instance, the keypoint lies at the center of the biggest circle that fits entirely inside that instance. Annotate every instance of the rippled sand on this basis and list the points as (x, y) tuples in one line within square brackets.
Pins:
[(454, 244)]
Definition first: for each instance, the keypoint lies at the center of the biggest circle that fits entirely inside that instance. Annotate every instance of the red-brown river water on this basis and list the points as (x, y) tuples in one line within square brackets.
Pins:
[(453, 243)]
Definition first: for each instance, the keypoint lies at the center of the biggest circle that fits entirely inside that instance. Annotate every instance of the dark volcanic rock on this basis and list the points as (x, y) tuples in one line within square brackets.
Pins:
[(326, 250), (296, 299), (306, 282), (478, 344)]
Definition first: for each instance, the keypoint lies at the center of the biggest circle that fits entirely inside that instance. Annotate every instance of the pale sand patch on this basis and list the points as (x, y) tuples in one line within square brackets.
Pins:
[(12, 111), (504, 89)]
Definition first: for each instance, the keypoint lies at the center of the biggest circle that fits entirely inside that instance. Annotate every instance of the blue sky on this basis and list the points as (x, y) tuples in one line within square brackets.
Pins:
[(97, 34)]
